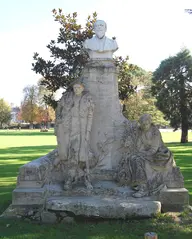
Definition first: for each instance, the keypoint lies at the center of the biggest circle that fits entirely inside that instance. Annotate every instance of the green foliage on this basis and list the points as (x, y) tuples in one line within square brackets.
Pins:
[(126, 73), (138, 104), (137, 98), (172, 87), (67, 55), (5, 113)]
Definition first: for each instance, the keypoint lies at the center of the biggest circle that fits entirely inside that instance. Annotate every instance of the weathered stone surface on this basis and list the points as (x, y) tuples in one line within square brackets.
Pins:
[(37, 172), (28, 196), (48, 217), (108, 122), (69, 220), (104, 188), (12, 212), (22, 212), (105, 207), (174, 199), (74, 115), (147, 163)]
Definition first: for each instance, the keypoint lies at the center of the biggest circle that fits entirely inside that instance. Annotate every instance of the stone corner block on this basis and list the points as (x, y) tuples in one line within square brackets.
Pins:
[(174, 199), (28, 196)]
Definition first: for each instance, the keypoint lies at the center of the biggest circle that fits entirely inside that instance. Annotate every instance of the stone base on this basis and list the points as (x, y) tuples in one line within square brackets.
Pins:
[(104, 207), (174, 199), (107, 200)]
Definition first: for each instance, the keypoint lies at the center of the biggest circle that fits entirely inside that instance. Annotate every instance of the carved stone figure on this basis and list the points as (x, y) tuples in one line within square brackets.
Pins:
[(74, 116), (100, 46), (148, 163)]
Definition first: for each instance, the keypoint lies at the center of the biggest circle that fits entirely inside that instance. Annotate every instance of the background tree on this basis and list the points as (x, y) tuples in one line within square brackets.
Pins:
[(46, 112), (29, 106), (134, 92), (5, 113), (67, 58), (141, 102), (173, 90), (34, 108)]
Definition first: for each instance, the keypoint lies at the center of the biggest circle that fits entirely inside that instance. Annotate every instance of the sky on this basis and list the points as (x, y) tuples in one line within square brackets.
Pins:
[(147, 31)]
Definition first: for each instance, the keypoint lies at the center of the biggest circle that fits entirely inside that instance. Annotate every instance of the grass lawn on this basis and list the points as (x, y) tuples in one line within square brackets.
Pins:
[(20, 147)]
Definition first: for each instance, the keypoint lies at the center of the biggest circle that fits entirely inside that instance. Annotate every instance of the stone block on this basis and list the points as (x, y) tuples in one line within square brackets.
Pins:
[(28, 196), (48, 217), (104, 207), (174, 199)]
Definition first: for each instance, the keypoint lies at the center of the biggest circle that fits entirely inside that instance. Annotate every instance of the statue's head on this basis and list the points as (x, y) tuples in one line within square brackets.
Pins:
[(78, 88), (100, 27), (145, 122)]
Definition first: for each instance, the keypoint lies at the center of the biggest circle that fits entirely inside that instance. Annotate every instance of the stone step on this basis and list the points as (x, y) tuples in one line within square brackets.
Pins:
[(105, 207)]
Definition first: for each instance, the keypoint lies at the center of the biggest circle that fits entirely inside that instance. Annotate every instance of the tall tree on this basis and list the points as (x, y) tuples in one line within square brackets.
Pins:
[(173, 90), (5, 113)]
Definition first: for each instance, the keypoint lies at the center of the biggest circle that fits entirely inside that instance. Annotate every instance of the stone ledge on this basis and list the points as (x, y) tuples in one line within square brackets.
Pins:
[(105, 207)]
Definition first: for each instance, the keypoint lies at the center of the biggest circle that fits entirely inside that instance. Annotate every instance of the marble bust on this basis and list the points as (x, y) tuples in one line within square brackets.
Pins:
[(100, 46)]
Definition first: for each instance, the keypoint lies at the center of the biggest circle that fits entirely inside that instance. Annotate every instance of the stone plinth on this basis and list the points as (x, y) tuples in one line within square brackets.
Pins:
[(100, 79), (174, 199), (104, 207)]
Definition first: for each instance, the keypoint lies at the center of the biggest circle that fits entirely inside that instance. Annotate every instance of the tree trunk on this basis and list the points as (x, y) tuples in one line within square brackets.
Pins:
[(184, 134), (184, 113)]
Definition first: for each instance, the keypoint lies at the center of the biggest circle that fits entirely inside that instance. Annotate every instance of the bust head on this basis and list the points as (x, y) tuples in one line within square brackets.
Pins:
[(78, 88), (100, 28), (145, 122)]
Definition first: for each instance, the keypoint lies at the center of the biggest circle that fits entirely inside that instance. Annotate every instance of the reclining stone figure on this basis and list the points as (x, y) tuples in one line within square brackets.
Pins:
[(148, 165)]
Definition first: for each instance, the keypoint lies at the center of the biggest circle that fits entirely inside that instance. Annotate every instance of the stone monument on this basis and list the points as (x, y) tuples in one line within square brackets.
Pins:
[(105, 166)]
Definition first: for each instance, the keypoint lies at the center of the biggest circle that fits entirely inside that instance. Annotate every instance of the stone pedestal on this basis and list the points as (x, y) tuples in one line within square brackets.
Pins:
[(100, 79)]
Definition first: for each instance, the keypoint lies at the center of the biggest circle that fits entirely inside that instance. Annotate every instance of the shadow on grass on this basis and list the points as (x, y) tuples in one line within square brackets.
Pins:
[(127, 229), (183, 157), (27, 150), (11, 159)]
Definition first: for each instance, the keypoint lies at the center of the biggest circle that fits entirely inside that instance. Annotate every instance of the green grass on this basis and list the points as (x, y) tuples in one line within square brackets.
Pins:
[(16, 149), (20, 147)]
